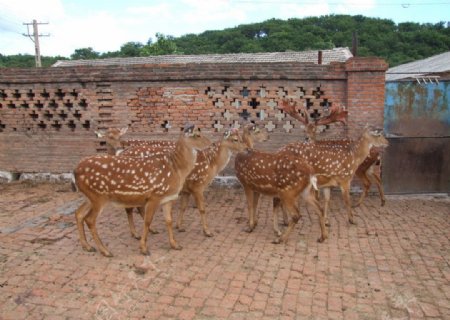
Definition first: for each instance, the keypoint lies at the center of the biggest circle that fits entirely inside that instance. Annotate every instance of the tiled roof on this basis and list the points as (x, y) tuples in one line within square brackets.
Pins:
[(334, 55), (429, 66)]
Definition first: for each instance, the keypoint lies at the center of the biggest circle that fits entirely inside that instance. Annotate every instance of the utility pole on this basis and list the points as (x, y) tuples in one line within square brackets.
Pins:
[(35, 39)]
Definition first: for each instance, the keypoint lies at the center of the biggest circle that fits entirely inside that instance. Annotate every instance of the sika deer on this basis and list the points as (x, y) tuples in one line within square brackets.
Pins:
[(210, 161), (278, 175), (115, 146), (252, 133), (365, 171), (335, 164), (135, 182)]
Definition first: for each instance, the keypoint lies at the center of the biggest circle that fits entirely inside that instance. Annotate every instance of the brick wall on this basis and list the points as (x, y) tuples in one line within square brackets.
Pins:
[(48, 116)]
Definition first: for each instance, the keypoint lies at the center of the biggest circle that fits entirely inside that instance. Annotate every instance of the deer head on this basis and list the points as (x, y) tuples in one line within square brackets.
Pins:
[(233, 140), (252, 133), (112, 137)]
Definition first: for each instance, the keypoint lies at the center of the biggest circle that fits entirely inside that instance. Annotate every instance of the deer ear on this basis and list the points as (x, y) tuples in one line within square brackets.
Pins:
[(123, 130), (99, 134), (226, 134)]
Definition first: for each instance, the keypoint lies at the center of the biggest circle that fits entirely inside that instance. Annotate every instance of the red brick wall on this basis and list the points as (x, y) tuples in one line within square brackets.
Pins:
[(48, 116)]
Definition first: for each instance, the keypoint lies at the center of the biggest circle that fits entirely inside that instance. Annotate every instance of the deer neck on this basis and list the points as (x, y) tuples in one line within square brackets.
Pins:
[(183, 157), (223, 156), (247, 139), (361, 149)]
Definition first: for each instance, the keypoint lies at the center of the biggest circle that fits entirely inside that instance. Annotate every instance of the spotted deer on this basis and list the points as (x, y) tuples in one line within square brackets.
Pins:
[(115, 146), (336, 163), (135, 182), (250, 134), (365, 171), (210, 161), (280, 175)]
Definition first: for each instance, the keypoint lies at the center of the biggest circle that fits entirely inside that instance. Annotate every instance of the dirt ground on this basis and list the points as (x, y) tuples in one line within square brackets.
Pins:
[(394, 264)]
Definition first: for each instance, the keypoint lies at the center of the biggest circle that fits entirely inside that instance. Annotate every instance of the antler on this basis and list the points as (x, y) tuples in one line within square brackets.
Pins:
[(289, 108), (336, 114)]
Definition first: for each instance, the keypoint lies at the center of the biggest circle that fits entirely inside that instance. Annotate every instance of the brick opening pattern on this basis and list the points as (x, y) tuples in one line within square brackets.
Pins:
[(43, 110), (220, 107)]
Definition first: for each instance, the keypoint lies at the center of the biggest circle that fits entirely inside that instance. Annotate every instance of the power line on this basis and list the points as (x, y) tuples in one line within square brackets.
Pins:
[(35, 39)]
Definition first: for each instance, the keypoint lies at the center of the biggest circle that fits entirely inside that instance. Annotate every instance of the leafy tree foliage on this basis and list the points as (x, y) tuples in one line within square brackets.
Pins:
[(396, 43), (85, 54), (26, 61)]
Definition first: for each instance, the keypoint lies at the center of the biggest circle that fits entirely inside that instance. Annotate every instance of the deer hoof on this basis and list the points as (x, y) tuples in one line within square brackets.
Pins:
[(321, 239), (177, 247), (351, 221), (278, 233), (383, 202), (249, 229), (153, 231), (89, 249), (277, 241), (207, 234), (180, 229), (145, 252), (107, 254)]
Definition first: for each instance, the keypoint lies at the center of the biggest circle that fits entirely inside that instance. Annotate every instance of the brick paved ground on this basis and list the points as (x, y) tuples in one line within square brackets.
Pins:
[(393, 265)]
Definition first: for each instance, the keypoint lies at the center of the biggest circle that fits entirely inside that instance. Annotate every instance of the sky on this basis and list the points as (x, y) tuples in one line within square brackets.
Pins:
[(106, 25)]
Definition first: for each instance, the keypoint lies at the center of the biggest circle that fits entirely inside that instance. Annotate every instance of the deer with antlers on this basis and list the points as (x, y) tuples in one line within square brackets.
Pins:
[(210, 161), (335, 162), (365, 171), (280, 175), (135, 182)]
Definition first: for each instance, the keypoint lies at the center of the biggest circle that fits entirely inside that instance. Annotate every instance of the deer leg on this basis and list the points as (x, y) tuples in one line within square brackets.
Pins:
[(141, 212), (249, 194), (150, 209), (80, 215), (91, 219), (312, 201), (184, 201), (167, 208), (345, 189), (326, 206), (285, 216), (256, 196), (276, 206), (366, 186), (377, 179), (133, 231), (200, 201), (289, 203)]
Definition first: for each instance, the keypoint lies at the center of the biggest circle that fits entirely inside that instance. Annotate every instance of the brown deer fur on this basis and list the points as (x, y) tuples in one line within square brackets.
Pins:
[(335, 164), (210, 161), (135, 182), (365, 171), (278, 175)]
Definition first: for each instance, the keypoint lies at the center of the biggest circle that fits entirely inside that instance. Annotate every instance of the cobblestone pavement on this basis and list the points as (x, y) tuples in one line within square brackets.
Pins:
[(394, 264)]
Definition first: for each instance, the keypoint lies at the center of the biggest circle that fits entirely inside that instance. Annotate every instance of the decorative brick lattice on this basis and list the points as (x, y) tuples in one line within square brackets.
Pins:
[(217, 108), (35, 109)]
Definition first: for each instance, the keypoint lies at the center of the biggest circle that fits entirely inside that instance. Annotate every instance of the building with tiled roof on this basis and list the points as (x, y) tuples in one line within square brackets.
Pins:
[(328, 56), (431, 68)]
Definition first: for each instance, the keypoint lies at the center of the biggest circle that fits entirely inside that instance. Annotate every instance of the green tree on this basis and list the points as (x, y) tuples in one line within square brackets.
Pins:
[(163, 45), (85, 54), (131, 49)]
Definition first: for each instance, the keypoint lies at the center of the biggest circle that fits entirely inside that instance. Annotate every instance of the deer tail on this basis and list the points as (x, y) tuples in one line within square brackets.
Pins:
[(314, 181)]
